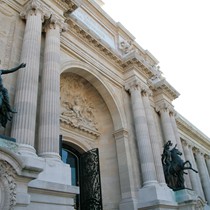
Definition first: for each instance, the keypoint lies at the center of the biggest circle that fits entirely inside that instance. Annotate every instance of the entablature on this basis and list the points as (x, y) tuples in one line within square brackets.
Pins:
[(189, 129), (161, 86)]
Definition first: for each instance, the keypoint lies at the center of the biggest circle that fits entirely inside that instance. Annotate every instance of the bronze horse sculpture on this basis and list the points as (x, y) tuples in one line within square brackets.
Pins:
[(174, 167)]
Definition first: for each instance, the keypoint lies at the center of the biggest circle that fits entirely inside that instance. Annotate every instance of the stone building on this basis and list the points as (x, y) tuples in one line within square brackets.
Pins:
[(93, 114)]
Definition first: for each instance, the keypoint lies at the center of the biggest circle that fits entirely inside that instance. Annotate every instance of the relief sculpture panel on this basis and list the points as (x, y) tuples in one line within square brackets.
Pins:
[(7, 186), (77, 104)]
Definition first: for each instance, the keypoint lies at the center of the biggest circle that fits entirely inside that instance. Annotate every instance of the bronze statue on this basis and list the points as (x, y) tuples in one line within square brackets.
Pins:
[(5, 108), (174, 166)]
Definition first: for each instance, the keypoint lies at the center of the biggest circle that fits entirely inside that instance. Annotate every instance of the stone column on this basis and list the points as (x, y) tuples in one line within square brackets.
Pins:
[(23, 127), (142, 134), (172, 115), (125, 170), (194, 177), (203, 172), (164, 109), (153, 136), (207, 158), (49, 128)]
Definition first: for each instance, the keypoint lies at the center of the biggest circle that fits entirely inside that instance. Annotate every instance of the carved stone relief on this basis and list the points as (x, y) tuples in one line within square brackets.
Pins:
[(125, 46), (77, 104), (7, 186)]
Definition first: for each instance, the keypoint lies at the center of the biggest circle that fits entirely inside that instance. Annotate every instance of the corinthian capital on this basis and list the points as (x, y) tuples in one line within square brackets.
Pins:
[(133, 85), (137, 85), (164, 106), (54, 22), (33, 8)]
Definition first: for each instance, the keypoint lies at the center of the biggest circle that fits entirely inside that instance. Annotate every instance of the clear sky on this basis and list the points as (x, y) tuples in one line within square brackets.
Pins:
[(177, 33)]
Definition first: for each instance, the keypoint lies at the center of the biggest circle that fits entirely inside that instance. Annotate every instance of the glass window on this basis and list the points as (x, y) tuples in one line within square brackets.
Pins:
[(70, 158)]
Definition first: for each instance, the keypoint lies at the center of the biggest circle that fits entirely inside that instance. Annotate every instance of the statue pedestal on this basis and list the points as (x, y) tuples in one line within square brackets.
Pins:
[(7, 138), (156, 197), (188, 199)]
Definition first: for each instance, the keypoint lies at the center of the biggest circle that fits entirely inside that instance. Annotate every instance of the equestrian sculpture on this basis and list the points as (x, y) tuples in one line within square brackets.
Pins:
[(174, 166)]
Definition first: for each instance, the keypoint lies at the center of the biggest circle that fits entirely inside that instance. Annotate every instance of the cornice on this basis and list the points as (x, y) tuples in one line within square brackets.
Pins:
[(14, 4), (186, 127), (84, 33), (163, 87), (124, 62), (68, 5)]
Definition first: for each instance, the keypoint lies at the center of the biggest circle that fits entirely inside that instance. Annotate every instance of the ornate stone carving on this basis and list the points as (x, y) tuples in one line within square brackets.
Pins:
[(164, 106), (125, 45), (158, 75), (54, 22), (136, 84), (77, 108), (33, 7), (7, 186)]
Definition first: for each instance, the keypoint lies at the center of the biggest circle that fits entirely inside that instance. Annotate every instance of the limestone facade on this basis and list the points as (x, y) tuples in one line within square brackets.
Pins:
[(87, 80)]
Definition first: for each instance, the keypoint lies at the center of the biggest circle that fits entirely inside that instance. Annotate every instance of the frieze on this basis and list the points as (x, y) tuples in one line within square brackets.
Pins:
[(77, 107), (94, 26)]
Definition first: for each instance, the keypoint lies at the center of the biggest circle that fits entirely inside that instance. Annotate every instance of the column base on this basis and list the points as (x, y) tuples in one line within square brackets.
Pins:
[(156, 197), (51, 155), (26, 150)]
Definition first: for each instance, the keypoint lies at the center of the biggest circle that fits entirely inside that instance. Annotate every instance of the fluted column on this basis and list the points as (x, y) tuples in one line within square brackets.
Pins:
[(49, 128), (23, 127), (142, 134), (172, 115), (164, 110), (153, 136), (207, 157), (194, 177), (203, 172)]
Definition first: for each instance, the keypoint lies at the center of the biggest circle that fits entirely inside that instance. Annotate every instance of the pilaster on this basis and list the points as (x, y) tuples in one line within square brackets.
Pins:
[(125, 170)]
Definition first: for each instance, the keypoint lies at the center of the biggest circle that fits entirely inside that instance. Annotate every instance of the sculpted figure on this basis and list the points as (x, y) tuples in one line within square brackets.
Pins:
[(174, 167), (5, 108)]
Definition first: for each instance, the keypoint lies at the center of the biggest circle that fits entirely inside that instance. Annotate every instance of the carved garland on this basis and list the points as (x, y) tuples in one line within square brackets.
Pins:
[(7, 186)]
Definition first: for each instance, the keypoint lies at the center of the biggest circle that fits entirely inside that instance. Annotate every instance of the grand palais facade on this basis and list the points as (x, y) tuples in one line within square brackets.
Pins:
[(93, 113)]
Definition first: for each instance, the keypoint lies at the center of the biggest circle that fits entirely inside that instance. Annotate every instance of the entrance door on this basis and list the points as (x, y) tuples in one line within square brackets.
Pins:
[(85, 173), (90, 183)]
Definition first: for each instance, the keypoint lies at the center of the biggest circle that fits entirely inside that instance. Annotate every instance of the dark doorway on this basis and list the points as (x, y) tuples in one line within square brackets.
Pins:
[(85, 173)]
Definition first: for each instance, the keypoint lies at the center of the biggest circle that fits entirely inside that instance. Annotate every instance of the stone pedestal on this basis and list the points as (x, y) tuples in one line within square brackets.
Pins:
[(156, 197), (51, 196), (53, 187), (188, 200), (31, 182)]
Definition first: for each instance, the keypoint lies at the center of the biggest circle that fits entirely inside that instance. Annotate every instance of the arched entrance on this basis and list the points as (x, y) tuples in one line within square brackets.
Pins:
[(90, 114), (85, 173)]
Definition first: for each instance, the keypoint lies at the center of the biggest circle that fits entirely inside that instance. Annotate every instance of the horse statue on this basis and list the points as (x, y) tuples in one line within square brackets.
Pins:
[(174, 167)]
